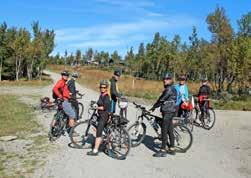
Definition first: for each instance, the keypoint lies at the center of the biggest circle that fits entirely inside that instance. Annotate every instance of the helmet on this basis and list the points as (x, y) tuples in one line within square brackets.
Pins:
[(75, 75), (182, 77), (168, 76), (65, 73), (104, 82), (117, 73)]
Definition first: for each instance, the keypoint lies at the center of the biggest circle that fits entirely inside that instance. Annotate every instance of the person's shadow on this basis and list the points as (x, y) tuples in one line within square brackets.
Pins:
[(151, 143)]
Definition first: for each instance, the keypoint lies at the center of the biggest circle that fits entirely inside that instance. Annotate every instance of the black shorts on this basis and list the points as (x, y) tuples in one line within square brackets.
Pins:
[(103, 118)]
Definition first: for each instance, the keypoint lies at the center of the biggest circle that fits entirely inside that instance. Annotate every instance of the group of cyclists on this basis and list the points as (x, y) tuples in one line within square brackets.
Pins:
[(173, 100)]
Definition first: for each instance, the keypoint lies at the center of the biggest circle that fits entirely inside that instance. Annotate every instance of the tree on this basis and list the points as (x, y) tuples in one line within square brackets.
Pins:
[(219, 26), (78, 57)]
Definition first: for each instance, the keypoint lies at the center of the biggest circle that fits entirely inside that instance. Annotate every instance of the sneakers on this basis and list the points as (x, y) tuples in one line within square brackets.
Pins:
[(160, 153), (75, 134), (110, 153), (92, 153), (171, 151)]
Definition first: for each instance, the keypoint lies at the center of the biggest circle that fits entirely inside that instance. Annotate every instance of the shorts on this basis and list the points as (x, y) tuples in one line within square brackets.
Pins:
[(68, 109)]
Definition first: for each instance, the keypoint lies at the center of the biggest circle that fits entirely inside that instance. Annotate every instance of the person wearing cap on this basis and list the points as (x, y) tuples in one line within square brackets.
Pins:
[(61, 91), (73, 92), (182, 94), (103, 107), (166, 102), (204, 93), (114, 90)]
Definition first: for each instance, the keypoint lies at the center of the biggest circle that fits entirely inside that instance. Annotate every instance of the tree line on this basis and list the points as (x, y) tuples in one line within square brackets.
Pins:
[(24, 54), (225, 60)]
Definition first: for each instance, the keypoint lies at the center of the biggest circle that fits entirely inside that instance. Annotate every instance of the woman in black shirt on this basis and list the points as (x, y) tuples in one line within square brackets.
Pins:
[(103, 106)]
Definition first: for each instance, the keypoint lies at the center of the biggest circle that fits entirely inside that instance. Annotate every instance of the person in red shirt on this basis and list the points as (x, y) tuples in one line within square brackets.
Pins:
[(61, 91)]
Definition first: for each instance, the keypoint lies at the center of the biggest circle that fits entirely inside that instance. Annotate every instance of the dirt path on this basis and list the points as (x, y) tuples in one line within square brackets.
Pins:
[(224, 151)]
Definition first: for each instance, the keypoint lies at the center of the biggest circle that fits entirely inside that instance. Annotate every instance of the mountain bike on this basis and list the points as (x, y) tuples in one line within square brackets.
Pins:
[(137, 131), (114, 133), (60, 122)]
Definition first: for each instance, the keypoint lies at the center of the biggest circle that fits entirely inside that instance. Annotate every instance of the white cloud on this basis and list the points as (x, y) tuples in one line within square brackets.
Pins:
[(121, 36)]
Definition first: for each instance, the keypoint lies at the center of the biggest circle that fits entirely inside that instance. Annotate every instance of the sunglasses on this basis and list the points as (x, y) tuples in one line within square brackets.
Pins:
[(102, 87)]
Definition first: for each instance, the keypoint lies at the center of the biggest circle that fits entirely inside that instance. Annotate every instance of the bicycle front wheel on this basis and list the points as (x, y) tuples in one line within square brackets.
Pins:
[(183, 138), (120, 142), (137, 132), (83, 135)]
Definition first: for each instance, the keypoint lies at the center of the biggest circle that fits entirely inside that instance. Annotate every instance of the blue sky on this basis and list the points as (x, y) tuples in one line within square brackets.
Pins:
[(116, 24)]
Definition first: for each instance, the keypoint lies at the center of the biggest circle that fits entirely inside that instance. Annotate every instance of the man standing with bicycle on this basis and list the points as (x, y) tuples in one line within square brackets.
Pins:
[(61, 91), (166, 102)]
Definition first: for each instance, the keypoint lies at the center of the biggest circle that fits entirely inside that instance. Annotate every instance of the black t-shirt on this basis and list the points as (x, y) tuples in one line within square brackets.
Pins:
[(104, 100), (204, 90)]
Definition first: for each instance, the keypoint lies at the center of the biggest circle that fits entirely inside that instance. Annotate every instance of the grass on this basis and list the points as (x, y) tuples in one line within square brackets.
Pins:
[(141, 88), (46, 80), (17, 118)]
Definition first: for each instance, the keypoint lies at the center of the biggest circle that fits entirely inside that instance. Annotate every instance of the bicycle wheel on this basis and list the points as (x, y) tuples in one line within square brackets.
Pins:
[(81, 110), (120, 142), (183, 138), (137, 133), (209, 119), (56, 131), (82, 135), (189, 123)]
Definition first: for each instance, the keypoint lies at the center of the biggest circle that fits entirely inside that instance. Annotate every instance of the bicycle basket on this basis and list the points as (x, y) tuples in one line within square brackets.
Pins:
[(123, 103)]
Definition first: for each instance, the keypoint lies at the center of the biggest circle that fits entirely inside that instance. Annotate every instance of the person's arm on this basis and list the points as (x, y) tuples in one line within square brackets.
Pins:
[(56, 89), (163, 97)]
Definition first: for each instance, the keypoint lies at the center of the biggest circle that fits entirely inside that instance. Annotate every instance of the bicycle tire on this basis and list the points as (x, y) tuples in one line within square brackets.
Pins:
[(120, 139), (205, 126), (139, 137), (81, 109), (82, 140), (180, 130)]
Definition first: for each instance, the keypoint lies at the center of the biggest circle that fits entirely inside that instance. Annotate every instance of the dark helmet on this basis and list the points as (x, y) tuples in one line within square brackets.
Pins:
[(104, 82), (182, 77), (117, 73), (75, 75), (168, 75), (65, 73)]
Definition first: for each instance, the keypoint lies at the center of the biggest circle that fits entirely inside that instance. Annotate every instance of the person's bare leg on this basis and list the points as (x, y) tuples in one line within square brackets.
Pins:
[(97, 144)]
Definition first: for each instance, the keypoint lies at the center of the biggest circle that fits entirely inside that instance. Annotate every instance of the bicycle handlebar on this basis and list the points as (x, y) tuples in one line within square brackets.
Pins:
[(141, 107)]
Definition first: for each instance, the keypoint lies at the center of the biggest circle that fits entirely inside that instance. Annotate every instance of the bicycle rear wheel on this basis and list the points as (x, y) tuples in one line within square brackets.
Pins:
[(82, 135), (183, 138), (120, 142), (209, 119), (137, 133)]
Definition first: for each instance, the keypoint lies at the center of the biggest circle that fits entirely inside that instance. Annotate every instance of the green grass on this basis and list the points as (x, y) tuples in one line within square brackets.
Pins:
[(15, 116), (233, 105)]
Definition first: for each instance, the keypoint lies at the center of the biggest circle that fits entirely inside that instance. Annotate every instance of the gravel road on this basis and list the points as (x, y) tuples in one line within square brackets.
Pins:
[(224, 151)]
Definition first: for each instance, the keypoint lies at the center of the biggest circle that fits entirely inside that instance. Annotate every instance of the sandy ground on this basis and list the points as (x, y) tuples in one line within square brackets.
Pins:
[(224, 151)]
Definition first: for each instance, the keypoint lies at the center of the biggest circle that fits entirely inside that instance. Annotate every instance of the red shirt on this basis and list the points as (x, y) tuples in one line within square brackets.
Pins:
[(61, 90)]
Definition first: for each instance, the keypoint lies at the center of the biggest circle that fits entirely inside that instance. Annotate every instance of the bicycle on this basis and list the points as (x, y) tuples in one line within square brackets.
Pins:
[(114, 133), (137, 131), (59, 123), (206, 116)]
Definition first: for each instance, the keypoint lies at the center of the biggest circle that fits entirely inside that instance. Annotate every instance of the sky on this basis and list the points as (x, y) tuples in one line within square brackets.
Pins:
[(117, 24)]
